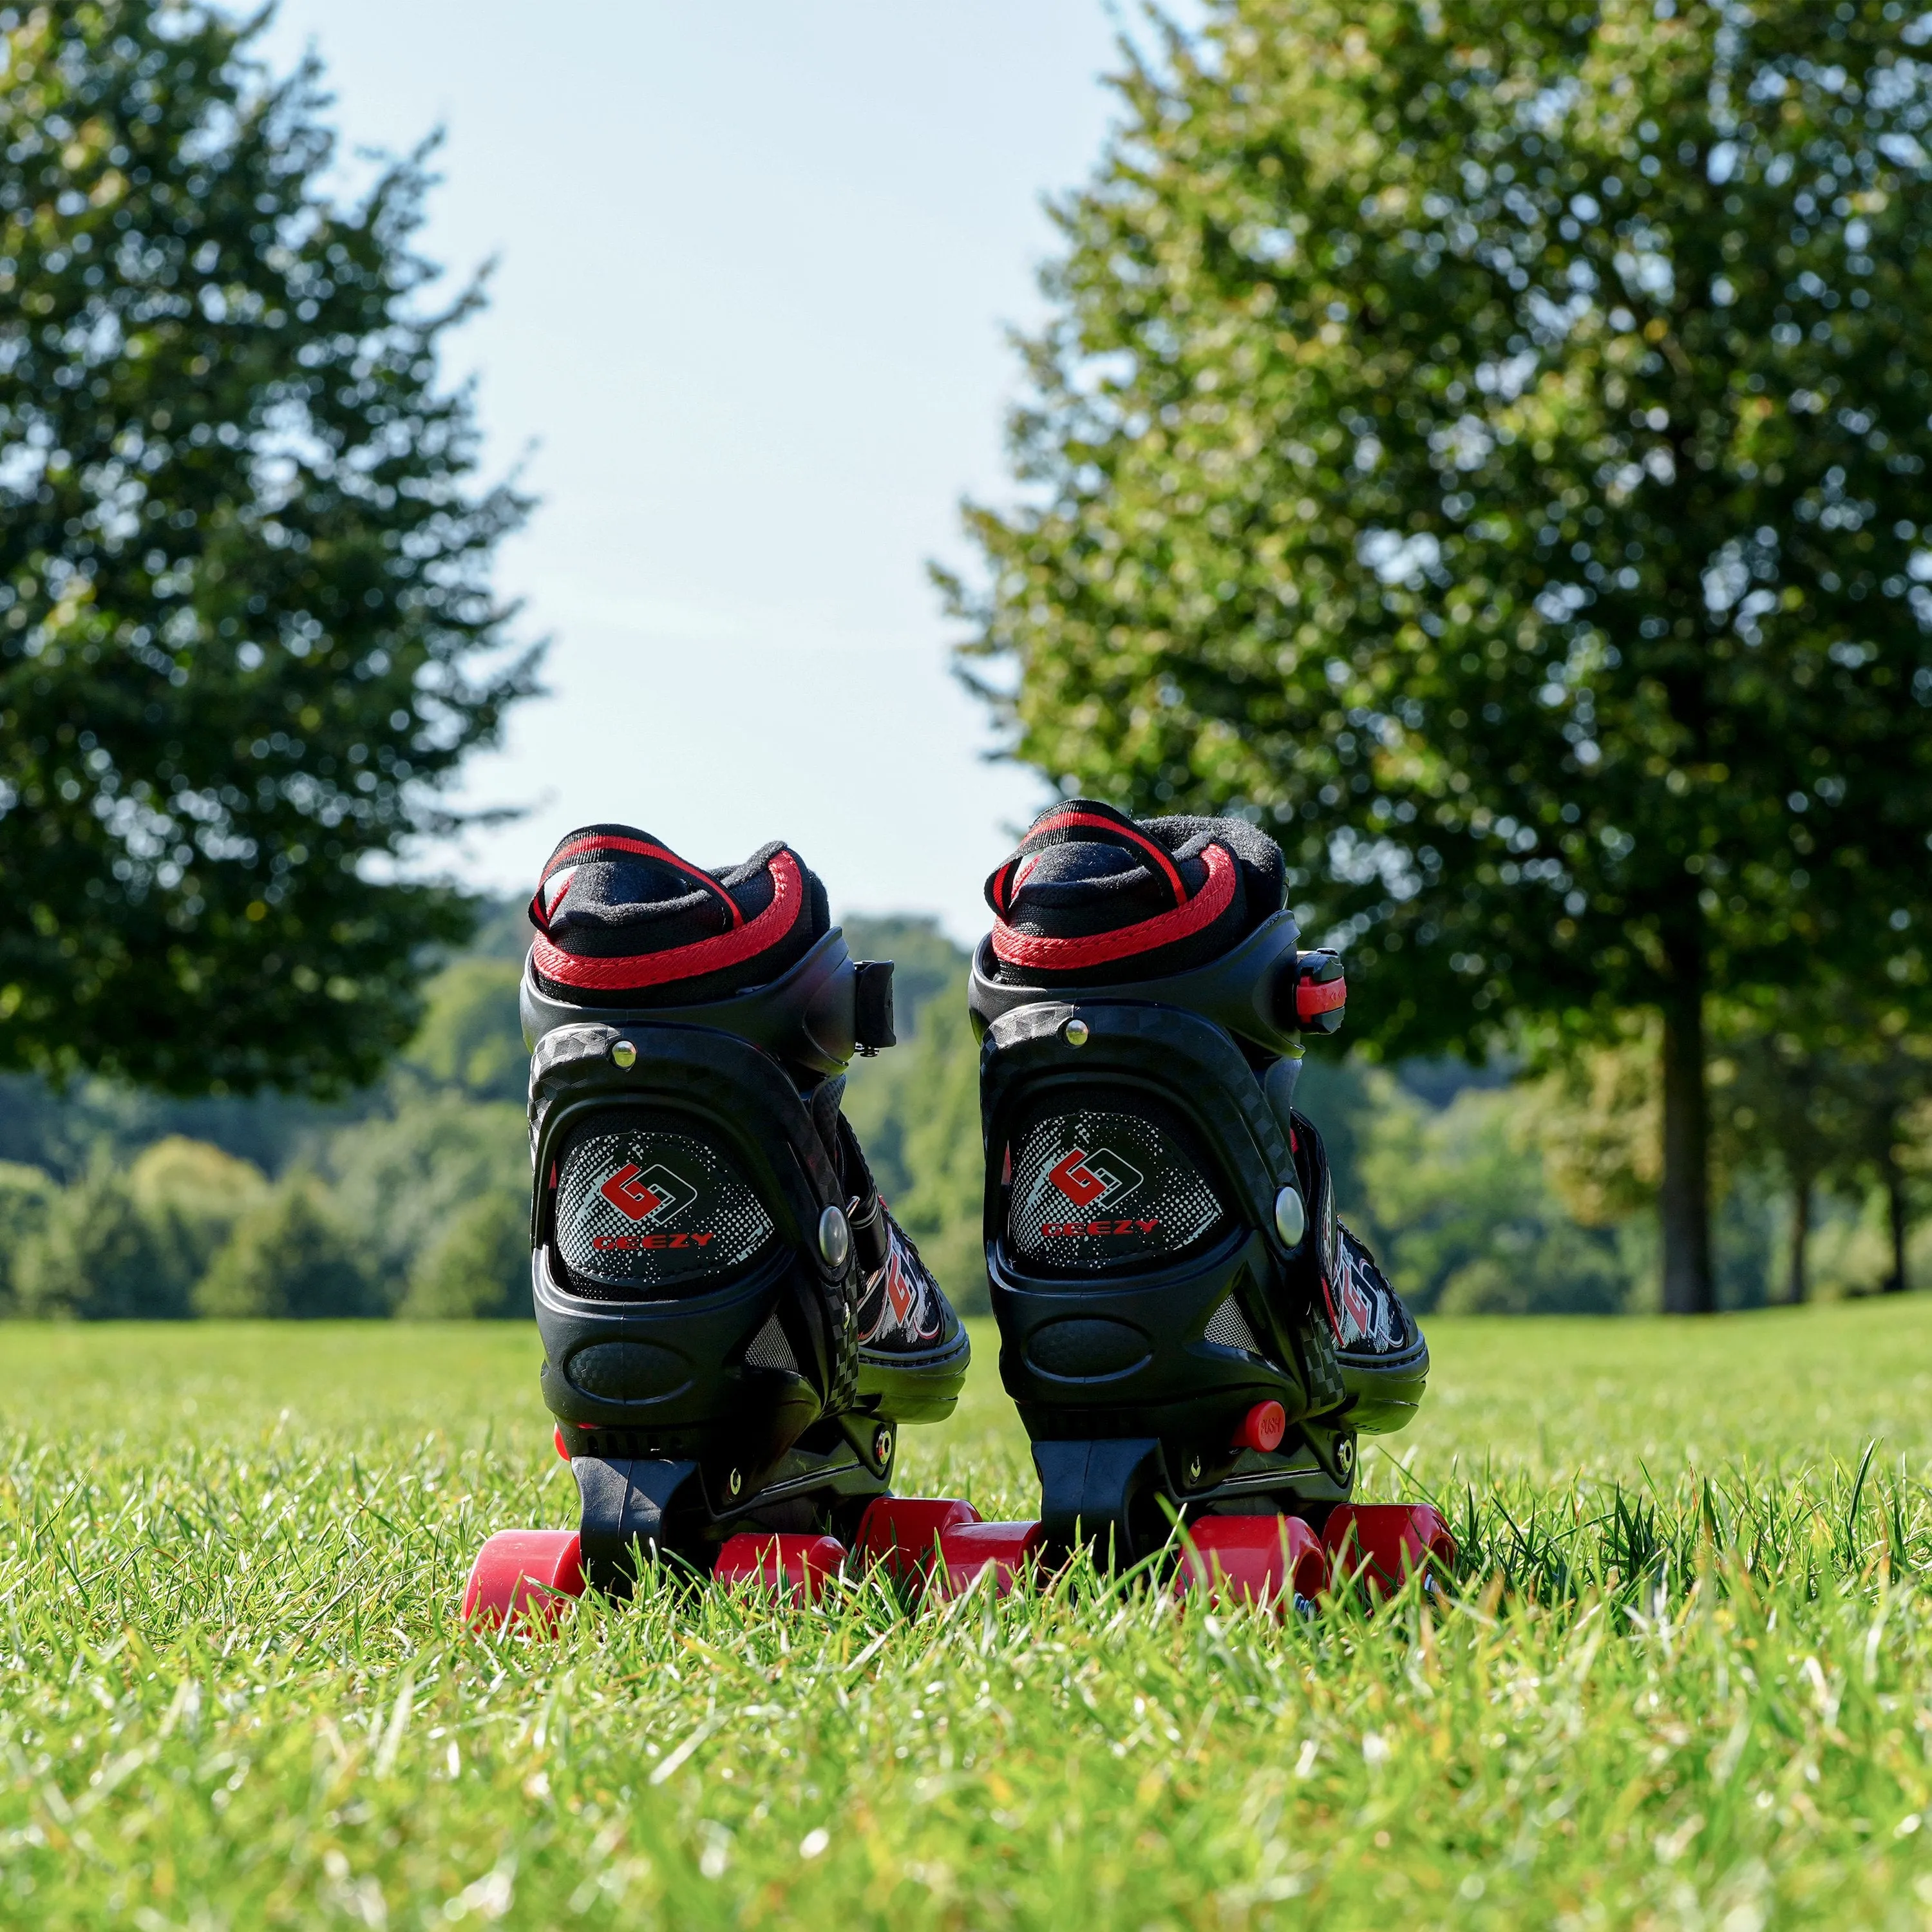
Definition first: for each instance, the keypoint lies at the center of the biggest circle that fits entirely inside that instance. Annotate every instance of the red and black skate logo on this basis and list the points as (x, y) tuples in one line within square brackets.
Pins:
[(1101, 1180), (647, 1194)]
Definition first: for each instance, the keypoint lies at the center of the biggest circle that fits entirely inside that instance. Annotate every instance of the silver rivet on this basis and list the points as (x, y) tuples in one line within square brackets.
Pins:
[(1291, 1218), (734, 1482), (1076, 1033), (882, 1447), (624, 1054), (834, 1237), (1345, 1454)]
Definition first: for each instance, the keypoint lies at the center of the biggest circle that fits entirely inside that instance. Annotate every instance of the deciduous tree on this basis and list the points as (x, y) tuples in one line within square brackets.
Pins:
[(1485, 440)]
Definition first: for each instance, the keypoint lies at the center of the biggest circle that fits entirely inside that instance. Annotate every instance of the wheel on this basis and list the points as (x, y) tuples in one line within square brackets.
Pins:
[(1255, 1559), (968, 1548), (903, 1533), (523, 1573), (1381, 1544), (799, 1566)]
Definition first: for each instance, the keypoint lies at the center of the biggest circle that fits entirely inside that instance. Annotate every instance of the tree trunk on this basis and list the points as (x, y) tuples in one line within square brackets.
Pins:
[(1685, 1200), (1895, 1202), (1800, 1289)]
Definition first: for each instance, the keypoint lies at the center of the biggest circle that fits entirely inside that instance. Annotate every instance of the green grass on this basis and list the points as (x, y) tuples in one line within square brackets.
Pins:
[(1687, 1684)]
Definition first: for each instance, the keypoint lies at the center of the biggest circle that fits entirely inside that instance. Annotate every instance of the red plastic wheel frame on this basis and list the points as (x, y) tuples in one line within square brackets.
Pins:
[(523, 1574), (1254, 1559), (1382, 1544)]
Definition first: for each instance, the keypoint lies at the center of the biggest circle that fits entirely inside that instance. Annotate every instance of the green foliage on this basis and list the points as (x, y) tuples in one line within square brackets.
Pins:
[(1486, 443), (925, 962), (479, 1266), (1466, 1220), (1682, 1682), (191, 1195), (290, 1257), (26, 1197), (97, 1258), (471, 1037), (915, 1109), (246, 636), (939, 1087), (404, 1180)]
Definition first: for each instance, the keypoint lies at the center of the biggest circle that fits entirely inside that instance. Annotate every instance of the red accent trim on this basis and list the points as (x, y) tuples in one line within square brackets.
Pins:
[(643, 848), (1312, 998), (1065, 955), (683, 962)]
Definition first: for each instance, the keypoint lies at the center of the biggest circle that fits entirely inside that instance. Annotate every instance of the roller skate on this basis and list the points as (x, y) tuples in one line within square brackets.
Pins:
[(1194, 1339), (733, 1326)]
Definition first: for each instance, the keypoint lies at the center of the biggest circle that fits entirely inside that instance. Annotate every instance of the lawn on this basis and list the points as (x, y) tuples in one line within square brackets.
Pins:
[(1686, 1682)]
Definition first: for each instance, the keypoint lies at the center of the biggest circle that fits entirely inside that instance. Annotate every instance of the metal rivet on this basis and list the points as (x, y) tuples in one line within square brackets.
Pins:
[(834, 1237), (1345, 1454), (882, 1447), (1291, 1217), (734, 1482), (623, 1054), (1076, 1033)]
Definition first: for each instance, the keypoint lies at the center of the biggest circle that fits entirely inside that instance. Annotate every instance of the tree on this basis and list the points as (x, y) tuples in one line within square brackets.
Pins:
[(1779, 1108), (26, 1199), (479, 1266), (289, 1258), (246, 635), (97, 1257), (1884, 1088), (190, 1195), (1485, 442)]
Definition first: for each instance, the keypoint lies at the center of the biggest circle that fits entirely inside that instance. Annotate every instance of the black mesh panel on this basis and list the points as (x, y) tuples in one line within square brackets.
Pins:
[(1102, 1187), (643, 1211)]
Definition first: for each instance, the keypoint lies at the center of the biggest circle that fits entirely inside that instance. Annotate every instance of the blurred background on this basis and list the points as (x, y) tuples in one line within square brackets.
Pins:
[(746, 345)]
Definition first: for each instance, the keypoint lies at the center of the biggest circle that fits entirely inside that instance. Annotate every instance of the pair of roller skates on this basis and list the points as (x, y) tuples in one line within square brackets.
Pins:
[(735, 1328)]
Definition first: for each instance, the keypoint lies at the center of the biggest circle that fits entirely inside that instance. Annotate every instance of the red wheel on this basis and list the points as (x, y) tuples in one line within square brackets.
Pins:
[(1256, 1559), (523, 1573), (904, 1532), (969, 1548), (787, 1565), (1384, 1543)]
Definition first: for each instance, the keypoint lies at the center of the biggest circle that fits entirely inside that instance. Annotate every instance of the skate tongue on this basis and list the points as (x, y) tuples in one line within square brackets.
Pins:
[(622, 918)]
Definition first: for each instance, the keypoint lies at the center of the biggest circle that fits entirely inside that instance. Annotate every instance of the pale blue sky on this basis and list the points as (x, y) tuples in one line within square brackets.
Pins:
[(756, 260)]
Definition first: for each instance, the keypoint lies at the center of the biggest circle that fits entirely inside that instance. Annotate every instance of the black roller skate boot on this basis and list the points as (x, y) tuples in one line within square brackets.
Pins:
[(1190, 1334), (733, 1326)]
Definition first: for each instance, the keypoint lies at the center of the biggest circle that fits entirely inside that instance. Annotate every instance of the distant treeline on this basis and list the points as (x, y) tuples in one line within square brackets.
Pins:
[(1480, 1192)]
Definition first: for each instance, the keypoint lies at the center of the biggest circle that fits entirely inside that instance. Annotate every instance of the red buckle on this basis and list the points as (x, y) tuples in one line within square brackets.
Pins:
[(1262, 1427), (1320, 991)]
